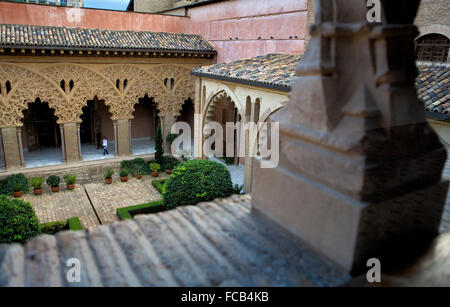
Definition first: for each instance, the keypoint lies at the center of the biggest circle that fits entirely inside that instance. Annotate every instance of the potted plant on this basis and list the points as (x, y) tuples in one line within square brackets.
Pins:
[(53, 182), (36, 183), (70, 181), (138, 171), (155, 169), (169, 166), (109, 172), (17, 190), (124, 175)]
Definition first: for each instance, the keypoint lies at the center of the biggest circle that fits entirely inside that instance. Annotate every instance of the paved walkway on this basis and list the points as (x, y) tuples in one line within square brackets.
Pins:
[(106, 198), (93, 203)]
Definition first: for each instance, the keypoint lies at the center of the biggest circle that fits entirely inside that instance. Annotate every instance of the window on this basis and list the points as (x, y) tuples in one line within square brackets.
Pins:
[(432, 47)]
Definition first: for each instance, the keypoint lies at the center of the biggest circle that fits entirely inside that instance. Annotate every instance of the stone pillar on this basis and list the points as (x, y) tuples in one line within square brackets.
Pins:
[(63, 146), (19, 138), (166, 124), (198, 121), (123, 137), (359, 175), (71, 142), (11, 148), (251, 149)]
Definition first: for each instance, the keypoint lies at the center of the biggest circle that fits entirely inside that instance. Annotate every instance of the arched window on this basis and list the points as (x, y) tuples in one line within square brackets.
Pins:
[(432, 47)]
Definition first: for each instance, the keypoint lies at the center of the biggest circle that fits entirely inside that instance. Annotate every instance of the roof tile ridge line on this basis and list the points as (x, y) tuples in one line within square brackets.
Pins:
[(99, 29)]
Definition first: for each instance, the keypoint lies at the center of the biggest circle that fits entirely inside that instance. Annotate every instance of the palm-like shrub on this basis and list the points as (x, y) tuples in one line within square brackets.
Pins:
[(70, 179), (109, 172), (37, 182)]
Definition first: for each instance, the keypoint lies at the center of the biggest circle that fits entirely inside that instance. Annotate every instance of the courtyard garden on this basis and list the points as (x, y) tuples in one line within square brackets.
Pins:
[(38, 205)]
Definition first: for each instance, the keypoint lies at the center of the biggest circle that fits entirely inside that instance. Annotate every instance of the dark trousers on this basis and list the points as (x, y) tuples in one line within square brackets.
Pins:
[(105, 151)]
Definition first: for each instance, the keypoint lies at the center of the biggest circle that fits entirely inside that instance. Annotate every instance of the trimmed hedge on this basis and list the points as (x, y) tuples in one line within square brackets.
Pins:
[(18, 222), (74, 223), (195, 181), (53, 227), (129, 212), (159, 184)]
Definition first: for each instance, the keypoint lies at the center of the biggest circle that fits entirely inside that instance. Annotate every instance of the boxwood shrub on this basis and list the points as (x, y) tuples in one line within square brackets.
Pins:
[(74, 223), (197, 180), (18, 222), (159, 184), (129, 212), (53, 227), (136, 165), (7, 184)]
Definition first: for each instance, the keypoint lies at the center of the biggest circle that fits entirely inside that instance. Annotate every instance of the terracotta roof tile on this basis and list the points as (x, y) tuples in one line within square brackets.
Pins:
[(96, 39), (272, 70), (433, 86)]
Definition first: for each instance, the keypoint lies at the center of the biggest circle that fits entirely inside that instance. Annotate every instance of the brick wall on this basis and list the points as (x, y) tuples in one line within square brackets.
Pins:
[(433, 12)]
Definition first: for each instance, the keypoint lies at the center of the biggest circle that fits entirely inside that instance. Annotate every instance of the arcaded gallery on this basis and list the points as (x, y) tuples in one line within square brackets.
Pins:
[(65, 90)]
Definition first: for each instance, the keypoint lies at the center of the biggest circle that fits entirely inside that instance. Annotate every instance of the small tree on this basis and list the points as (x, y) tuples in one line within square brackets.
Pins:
[(159, 151)]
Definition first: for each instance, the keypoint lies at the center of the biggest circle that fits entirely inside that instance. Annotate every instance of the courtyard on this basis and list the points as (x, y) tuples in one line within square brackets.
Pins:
[(93, 203)]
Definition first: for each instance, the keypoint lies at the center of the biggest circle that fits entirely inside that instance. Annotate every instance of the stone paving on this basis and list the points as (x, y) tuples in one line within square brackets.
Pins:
[(60, 206), (106, 198), (93, 203)]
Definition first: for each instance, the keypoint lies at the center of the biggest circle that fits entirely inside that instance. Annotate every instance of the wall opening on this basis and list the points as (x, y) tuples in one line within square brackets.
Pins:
[(143, 126), (40, 136)]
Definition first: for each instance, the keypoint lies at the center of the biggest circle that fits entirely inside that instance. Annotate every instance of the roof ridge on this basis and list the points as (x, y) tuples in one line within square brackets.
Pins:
[(432, 64)]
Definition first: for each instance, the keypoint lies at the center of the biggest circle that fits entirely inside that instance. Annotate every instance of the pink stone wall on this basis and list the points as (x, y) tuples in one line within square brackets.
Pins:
[(48, 15), (247, 28), (238, 28)]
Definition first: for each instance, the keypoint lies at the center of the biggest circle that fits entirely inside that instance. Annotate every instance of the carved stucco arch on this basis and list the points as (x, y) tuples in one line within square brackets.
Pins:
[(183, 89), (26, 86), (225, 92)]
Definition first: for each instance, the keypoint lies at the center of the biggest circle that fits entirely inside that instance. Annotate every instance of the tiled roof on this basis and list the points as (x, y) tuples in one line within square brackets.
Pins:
[(210, 244), (29, 36), (433, 87), (272, 70)]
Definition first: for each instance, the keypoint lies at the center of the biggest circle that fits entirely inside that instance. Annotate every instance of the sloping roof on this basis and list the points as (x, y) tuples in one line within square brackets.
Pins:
[(29, 36), (273, 70), (433, 87), (210, 244)]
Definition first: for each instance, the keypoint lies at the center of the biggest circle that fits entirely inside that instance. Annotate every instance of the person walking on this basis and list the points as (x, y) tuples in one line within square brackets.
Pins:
[(105, 146)]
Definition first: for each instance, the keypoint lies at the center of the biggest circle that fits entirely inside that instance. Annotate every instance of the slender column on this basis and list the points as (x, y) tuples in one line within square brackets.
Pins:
[(116, 145), (19, 138), (250, 149), (11, 148), (198, 120), (123, 137), (359, 174), (79, 141), (63, 143)]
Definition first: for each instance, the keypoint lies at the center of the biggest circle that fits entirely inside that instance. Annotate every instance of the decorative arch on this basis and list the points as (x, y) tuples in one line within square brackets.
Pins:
[(25, 86)]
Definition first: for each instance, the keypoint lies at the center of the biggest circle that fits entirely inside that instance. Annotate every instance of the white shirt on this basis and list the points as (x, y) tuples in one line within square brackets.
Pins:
[(105, 143)]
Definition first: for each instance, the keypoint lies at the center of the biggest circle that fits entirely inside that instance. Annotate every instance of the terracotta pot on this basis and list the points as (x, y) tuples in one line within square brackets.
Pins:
[(155, 174), (37, 191), (168, 171), (17, 194), (138, 176), (55, 189), (108, 180), (124, 179), (71, 186)]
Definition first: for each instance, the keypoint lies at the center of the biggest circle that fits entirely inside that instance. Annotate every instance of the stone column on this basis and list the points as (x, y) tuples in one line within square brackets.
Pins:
[(166, 124), (251, 149), (115, 138), (19, 138), (198, 121), (123, 137), (359, 174), (71, 142), (11, 148), (63, 146)]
